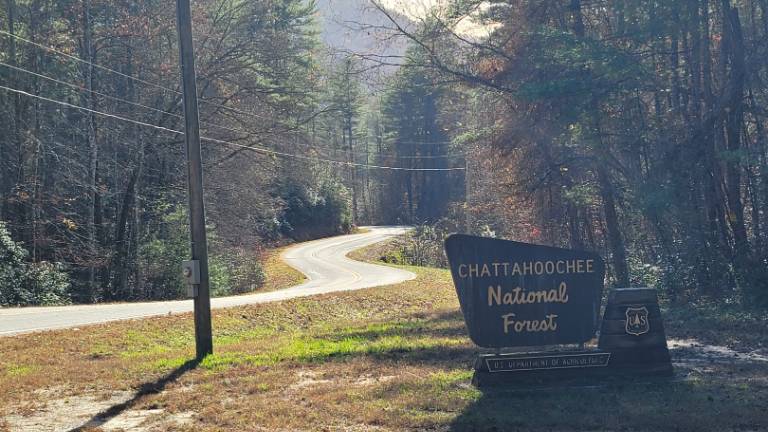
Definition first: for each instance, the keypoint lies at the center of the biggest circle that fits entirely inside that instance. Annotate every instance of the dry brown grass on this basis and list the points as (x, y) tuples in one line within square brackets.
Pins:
[(259, 350), (278, 274), (373, 253), (382, 359)]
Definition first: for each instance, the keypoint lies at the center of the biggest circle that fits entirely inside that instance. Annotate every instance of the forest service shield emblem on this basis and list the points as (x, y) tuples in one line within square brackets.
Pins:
[(637, 320)]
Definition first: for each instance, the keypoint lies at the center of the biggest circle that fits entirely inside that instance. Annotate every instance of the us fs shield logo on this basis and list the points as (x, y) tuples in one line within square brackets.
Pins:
[(637, 320)]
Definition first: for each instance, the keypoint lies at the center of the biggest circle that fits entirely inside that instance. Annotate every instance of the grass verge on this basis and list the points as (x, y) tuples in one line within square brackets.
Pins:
[(278, 274), (375, 252), (384, 359)]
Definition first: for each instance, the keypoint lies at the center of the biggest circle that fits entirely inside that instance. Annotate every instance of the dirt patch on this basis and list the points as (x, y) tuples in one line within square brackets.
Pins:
[(310, 379), (74, 412), (63, 413), (691, 351), (365, 381)]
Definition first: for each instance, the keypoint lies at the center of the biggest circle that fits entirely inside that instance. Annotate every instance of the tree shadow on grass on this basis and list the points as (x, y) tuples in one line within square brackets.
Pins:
[(146, 389), (447, 324), (414, 333), (628, 403), (703, 395)]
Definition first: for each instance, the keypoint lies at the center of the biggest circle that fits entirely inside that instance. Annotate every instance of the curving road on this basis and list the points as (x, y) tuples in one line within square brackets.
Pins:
[(324, 262)]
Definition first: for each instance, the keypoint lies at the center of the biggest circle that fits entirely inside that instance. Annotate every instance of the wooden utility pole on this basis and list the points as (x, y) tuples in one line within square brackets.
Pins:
[(201, 291)]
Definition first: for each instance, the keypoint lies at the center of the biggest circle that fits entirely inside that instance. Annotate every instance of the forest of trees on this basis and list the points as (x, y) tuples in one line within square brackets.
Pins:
[(633, 128), (93, 167)]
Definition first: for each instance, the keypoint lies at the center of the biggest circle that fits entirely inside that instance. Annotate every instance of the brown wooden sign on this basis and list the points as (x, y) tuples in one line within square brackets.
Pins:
[(516, 294)]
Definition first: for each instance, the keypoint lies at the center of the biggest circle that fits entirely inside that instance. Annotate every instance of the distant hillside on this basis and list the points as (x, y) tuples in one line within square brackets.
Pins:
[(346, 28)]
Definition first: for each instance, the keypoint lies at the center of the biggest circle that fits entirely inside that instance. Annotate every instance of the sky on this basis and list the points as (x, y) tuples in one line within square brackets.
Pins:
[(343, 24), (412, 8), (418, 9)]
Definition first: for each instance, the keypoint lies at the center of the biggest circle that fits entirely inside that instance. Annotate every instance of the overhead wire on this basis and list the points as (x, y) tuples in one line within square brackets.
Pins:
[(338, 162), (116, 99), (383, 155), (67, 104), (78, 59), (213, 125), (124, 75), (165, 88), (218, 141)]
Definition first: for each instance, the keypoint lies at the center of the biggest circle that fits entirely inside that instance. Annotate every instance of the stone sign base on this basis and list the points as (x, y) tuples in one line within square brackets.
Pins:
[(633, 331), (632, 343), (543, 367), (558, 367)]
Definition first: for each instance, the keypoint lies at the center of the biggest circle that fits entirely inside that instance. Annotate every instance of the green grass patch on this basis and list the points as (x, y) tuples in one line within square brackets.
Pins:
[(168, 364), (140, 343), (222, 361), (18, 371)]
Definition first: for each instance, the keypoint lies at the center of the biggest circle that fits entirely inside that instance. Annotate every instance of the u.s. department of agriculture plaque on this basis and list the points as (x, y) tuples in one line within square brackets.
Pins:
[(516, 294)]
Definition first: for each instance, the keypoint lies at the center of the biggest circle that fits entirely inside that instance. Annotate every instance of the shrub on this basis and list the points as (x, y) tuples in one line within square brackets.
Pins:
[(48, 284), (27, 284), (394, 256), (220, 277), (231, 272), (424, 245), (247, 273), (12, 268), (312, 213), (162, 253)]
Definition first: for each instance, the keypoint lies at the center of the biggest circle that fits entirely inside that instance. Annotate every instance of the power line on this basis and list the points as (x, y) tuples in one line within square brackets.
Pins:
[(162, 87), (116, 99), (67, 104), (239, 131), (78, 59), (104, 68), (252, 148), (423, 143), (310, 158), (385, 155), (81, 88)]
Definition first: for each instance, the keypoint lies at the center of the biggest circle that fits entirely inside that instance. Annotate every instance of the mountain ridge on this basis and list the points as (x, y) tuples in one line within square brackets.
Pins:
[(354, 26)]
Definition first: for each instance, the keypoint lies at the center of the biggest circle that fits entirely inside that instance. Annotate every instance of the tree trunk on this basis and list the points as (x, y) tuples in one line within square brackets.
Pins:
[(88, 56), (14, 213), (761, 183), (352, 168), (734, 46), (578, 19), (612, 225), (119, 265), (6, 185)]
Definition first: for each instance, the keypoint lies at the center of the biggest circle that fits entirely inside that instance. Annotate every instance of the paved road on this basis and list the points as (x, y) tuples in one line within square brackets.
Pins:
[(323, 261)]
